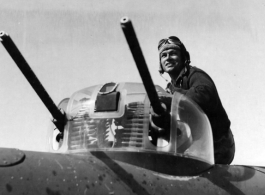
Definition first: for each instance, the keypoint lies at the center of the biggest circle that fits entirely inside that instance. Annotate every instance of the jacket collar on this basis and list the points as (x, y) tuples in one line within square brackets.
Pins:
[(178, 81)]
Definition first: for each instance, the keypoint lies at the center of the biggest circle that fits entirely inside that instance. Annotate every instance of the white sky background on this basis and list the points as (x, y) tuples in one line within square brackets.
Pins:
[(71, 45)]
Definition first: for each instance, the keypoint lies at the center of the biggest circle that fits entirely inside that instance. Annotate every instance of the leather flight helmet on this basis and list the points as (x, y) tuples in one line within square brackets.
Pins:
[(173, 42)]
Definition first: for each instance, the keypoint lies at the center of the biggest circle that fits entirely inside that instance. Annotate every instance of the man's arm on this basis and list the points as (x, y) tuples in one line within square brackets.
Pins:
[(202, 91)]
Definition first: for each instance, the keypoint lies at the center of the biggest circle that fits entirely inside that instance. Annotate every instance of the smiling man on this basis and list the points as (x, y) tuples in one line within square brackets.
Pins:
[(198, 86)]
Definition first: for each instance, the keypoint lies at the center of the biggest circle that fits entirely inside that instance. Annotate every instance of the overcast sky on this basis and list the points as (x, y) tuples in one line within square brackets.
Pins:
[(71, 45)]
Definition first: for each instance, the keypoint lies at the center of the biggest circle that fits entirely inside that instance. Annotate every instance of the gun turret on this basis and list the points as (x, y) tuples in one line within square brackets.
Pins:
[(135, 48), (59, 119)]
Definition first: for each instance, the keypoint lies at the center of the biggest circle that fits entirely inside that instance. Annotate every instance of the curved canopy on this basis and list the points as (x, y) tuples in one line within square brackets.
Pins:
[(123, 124)]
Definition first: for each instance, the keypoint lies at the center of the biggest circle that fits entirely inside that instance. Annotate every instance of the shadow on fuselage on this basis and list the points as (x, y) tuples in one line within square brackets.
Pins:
[(227, 176)]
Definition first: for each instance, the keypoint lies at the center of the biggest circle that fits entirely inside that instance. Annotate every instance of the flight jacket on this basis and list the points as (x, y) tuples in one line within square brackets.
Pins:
[(198, 86)]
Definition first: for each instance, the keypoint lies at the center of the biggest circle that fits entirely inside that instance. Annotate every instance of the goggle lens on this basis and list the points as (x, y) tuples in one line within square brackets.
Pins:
[(172, 39)]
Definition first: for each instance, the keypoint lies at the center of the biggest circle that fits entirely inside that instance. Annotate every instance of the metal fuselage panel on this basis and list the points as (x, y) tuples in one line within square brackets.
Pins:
[(47, 173)]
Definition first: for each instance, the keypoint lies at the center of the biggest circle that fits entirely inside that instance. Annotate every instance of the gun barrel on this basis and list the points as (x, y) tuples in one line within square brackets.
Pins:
[(135, 48), (59, 118)]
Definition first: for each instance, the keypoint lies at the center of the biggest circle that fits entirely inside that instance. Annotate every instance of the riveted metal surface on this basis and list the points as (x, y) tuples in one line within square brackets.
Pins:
[(87, 173), (10, 157)]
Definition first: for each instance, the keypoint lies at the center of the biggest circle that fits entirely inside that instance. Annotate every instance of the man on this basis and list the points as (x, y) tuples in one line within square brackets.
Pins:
[(198, 86)]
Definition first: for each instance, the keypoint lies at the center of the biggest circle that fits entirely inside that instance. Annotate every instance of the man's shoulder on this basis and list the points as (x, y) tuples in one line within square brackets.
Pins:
[(194, 69), (197, 73)]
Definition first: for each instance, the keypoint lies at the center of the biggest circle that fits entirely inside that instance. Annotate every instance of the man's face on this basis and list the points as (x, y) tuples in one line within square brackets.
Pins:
[(171, 60)]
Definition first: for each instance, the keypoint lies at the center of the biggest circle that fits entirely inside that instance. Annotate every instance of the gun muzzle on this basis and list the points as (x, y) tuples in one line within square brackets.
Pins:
[(59, 118), (135, 48)]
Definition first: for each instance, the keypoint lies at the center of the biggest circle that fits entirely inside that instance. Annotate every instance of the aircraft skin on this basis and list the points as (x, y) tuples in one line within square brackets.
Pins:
[(96, 173), (115, 171)]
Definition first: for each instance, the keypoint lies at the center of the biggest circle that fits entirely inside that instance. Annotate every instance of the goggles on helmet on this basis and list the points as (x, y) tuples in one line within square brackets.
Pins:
[(169, 40)]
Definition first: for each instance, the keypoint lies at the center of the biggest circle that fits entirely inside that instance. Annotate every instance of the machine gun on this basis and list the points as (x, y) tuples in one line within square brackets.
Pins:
[(135, 48), (59, 118), (115, 117), (88, 163)]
